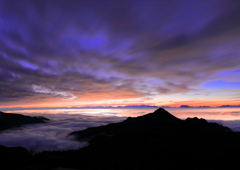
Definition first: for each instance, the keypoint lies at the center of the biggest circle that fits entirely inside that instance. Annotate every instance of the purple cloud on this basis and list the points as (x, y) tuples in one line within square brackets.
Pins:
[(79, 49)]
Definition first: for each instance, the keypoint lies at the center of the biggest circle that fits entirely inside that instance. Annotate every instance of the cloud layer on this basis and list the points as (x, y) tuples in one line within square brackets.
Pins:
[(53, 135), (88, 51)]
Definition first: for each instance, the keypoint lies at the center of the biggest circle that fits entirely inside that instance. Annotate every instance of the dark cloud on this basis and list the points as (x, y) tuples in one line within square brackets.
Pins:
[(77, 49)]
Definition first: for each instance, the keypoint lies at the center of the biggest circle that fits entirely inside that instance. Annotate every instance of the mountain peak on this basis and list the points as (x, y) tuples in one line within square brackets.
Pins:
[(158, 116)]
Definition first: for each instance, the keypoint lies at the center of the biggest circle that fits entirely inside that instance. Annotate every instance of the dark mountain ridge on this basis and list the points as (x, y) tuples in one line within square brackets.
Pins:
[(12, 157), (10, 120), (159, 120)]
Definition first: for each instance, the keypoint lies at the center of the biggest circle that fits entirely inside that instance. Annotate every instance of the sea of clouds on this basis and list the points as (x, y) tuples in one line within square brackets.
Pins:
[(234, 125), (54, 134)]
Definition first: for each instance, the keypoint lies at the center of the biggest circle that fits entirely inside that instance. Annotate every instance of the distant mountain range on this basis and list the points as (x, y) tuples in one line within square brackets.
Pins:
[(109, 107), (153, 141)]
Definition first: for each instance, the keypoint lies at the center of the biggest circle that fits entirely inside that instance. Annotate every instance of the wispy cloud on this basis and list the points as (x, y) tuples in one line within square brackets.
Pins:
[(45, 90)]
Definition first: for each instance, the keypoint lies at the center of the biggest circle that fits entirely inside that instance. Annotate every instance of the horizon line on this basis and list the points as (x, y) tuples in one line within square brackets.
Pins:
[(112, 107)]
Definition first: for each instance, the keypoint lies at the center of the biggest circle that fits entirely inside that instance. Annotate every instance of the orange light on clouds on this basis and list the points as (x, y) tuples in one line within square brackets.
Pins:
[(211, 103)]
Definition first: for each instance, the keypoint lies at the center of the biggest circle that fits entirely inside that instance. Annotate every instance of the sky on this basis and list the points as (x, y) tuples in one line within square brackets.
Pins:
[(73, 53)]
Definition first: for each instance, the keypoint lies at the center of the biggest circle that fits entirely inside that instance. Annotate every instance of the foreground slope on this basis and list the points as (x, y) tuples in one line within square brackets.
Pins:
[(154, 141), (14, 156)]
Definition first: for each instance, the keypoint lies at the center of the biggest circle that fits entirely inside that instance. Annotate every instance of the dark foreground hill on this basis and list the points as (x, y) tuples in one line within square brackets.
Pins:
[(10, 120), (14, 156), (154, 141)]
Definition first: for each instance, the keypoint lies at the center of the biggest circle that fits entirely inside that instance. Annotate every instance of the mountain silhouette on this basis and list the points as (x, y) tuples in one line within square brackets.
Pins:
[(153, 141), (158, 116), (10, 120), (160, 120), (15, 156)]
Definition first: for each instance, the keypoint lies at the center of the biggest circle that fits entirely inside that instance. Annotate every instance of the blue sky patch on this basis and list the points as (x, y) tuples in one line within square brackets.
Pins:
[(220, 84)]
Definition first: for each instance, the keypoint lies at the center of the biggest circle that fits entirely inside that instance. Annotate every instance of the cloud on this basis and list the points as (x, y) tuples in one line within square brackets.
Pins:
[(45, 90), (53, 135), (233, 124), (83, 51)]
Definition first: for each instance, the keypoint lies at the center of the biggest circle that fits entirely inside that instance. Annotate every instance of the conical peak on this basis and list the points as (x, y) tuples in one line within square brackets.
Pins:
[(161, 110), (160, 115), (164, 115)]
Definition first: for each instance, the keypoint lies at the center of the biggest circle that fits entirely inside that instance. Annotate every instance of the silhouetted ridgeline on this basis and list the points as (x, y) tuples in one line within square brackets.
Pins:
[(153, 141), (160, 120), (9, 120), (15, 156)]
